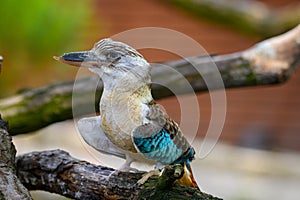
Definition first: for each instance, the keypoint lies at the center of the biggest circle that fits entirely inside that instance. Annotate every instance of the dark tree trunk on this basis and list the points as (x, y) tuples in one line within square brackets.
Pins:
[(10, 186)]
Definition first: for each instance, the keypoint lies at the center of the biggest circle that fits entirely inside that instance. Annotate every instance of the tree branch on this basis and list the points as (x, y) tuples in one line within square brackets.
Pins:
[(269, 62), (56, 171), (10, 185), (248, 16)]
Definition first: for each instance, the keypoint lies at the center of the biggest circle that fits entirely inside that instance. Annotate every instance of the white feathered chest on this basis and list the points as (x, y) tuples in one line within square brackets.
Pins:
[(122, 112)]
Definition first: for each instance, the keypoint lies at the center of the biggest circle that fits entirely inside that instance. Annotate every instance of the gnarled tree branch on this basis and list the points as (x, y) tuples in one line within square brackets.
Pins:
[(269, 62), (56, 171)]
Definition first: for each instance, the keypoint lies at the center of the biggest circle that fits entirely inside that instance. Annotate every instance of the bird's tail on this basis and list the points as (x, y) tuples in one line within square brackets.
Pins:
[(188, 179)]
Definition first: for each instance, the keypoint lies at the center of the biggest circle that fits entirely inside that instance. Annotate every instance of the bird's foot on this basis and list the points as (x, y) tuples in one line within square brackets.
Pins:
[(147, 175), (127, 168), (121, 170)]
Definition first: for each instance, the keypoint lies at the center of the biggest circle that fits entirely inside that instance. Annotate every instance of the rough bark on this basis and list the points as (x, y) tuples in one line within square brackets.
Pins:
[(272, 61), (10, 186), (56, 171), (249, 16)]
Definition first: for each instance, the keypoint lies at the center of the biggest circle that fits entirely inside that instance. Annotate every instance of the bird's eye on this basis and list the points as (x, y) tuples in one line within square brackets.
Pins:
[(113, 55)]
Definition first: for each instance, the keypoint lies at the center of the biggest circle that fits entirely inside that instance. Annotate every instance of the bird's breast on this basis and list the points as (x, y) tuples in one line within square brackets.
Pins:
[(122, 112), (119, 117)]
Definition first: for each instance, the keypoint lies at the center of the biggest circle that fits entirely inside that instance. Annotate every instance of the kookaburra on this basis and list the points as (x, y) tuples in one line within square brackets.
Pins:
[(131, 126)]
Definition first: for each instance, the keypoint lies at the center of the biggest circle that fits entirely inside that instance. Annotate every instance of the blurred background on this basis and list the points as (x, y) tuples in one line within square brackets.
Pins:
[(257, 156)]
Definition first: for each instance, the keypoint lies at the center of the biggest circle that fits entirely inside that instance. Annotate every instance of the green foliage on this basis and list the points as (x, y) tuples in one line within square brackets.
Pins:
[(39, 27), (32, 31)]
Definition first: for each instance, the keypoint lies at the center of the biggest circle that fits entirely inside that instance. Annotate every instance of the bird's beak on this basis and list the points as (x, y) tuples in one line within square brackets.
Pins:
[(79, 59)]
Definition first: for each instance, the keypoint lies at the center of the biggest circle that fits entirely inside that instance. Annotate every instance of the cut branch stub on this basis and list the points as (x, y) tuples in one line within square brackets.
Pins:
[(1, 59)]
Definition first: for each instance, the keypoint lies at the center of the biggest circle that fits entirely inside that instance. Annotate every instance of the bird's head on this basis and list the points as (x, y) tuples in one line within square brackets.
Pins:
[(111, 60)]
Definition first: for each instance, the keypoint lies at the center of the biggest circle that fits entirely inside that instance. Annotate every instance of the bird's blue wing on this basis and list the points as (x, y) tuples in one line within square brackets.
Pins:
[(161, 139)]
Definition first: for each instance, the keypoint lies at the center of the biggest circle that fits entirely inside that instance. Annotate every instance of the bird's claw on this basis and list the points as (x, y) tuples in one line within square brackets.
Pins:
[(126, 168), (120, 170), (147, 175)]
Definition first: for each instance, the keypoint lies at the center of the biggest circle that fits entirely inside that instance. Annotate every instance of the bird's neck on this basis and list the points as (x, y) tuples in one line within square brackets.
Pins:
[(127, 86), (141, 94)]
